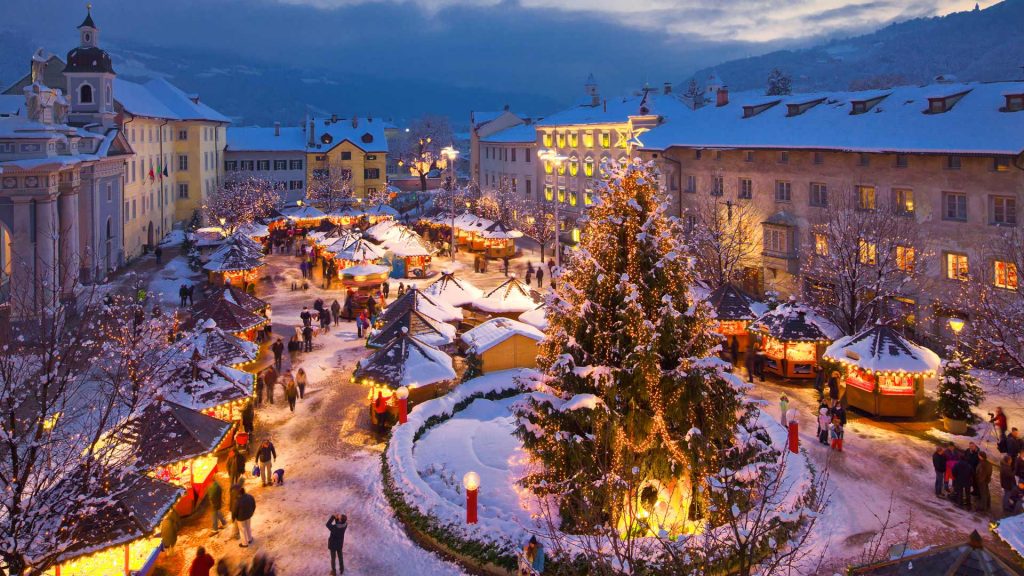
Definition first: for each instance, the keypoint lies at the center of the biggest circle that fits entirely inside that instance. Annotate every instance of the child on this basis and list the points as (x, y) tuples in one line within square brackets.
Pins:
[(823, 424), (836, 433), (279, 477)]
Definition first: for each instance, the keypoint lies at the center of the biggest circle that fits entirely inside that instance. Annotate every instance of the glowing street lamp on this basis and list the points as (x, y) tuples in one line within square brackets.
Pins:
[(402, 394), (471, 481), (556, 159), (450, 155), (956, 325)]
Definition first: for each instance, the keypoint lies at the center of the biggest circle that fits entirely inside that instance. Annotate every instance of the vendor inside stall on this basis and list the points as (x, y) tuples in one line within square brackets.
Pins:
[(792, 340)]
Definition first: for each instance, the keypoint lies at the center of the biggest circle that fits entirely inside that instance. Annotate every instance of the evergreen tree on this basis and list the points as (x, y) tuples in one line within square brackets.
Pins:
[(779, 84), (959, 391), (694, 94), (474, 366), (639, 412)]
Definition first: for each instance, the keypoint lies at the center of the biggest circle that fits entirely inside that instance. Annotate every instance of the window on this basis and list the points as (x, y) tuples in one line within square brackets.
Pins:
[(263, 165), (606, 139), (954, 206), (905, 258), (819, 194), (588, 139), (371, 156), (698, 154), (529, 184), (134, 211), (783, 191), (560, 139), (1000, 164), (1002, 210), (820, 244), (952, 162), (548, 192), (1005, 275), (819, 158), (956, 266), (133, 171), (526, 155), (182, 134), (346, 173), (866, 198), (775, 240), (182, 190), (280, 164), (126, 211), (371, 190), (863, 159), (691, 184), (248, 165), (588, 197), (371, 174), (320, 157), (513, 154), (85, 94), (783, 157), (903, 198), (902, 161), (746, 188), (346, 155), (110, 193), (867, 252), (182, 162), (718, 154), (717, 186), (749, 156), (690, 223), (230, 165), (574, 140)]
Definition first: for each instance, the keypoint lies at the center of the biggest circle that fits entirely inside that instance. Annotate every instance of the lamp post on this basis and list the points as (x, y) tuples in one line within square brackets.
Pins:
[(402, 395), (556, 160), (471, 481), (451, 154), (956, 325)]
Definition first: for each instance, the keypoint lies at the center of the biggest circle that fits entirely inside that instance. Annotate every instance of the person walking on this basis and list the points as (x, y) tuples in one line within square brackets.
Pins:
[(235, 465), (248, 418), (265, 457), (529, 276), (982, 479), (169, 531), (836, 434), (783, 407), (261, 384), (337, 524), (371, 308), (300, 381), (307, 338), (201, 564), (999, 419), (306, 316), (385, 289), (183, 295), (245, 508), (361, 322), (823, 423), (504, 262), (963, 478), (1013, 443), (215, 497), (191, 295), (278, 348), (1007, 481), (401, 290), (336, 311), (291, 392), (819, 381), (833, 386), (540, 276), (939, 465)]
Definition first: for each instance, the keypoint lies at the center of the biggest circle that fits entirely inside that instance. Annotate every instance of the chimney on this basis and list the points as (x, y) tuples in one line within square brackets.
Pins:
[(312, 131), (334, 118), (605, 104), (277, 128), (722, 96), (355, 121), (194, 98), (506, 107), (668, 88)]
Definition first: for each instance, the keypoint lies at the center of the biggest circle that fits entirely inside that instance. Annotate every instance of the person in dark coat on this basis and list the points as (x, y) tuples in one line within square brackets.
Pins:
[(248, 418), (202, 563), (260, 385), (337, 524), (540, 276), (982, 480), (183, 295), (159, 253), (300, 381), (278, 348), (385, 289), (939, 464), (963, 479), (307, 318), (291, 393), (336, 312), (833, 386), (371, 307), (265, 456), (1007, 481), (1013, 443), (215, 497), (1018, 468), (307, 338), (819, 381), (972, 455), (169, 531), (235, 465), (839, 412), (191, 294), (243, 512), (734, 350), (270, 379)]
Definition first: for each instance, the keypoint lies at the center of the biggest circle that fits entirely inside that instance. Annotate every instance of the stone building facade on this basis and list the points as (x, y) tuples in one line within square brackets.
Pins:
[(277, 155)]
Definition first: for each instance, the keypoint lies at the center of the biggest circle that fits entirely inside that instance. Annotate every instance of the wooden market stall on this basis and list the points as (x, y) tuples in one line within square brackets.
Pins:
[(885, 373), (256, 231), (176, 444), (405, 361), (497, 241), (205, 385), (384, 230), (416, 299), (209, 341), (360, 251), (468, 226), (119, 538), (380, 213), (303, 215), (734, 311), (453, 290), (793, 338), (426, 329), (228, 315), (971, 557), (510, 299), (411, 253), (503, 344), (233, 266)]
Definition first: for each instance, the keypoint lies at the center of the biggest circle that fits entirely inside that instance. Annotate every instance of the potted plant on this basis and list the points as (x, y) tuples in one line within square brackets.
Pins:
[(959, 394)]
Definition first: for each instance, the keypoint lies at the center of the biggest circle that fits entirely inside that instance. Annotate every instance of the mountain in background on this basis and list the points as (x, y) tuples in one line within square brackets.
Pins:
[(979, 45)]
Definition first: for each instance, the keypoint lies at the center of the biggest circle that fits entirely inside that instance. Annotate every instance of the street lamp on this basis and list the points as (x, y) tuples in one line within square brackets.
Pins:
[(956, 325), (471, 481), (556, 159), (451, 154)]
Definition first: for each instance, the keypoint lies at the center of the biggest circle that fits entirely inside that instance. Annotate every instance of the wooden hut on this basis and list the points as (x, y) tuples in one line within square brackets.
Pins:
[(228, 315), (453, 290), (212, 343), (204, 384), (303, 215), (360, 251), (411, 252), (734, 311), (233, 266), (426, 329), (793, 340), (971, 558), (498, 241), (885, 372), (416, 299), (510, 299), (503, 344)]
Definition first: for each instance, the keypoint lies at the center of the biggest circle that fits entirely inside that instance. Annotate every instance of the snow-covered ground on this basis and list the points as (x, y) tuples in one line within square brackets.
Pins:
[(166, 283)]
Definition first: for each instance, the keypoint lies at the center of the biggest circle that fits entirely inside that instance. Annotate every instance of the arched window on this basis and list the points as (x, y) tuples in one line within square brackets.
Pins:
[(560, 137), (110, 228), (548, 139), (85, 94), (574, 139), (588, 166), (574, 166)]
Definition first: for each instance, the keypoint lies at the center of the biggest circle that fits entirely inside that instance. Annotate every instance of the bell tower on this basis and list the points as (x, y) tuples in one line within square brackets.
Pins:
[(90, 78)]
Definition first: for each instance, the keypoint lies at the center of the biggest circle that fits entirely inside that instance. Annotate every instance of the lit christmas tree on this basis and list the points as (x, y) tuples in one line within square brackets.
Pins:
[(959, 392)]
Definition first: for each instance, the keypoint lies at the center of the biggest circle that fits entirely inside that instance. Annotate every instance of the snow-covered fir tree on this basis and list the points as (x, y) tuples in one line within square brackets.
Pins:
[(779, 83), (959, 391)]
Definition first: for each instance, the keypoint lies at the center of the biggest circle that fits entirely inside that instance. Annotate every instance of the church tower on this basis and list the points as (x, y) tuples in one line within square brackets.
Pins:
[(591, 89), (90, 78)]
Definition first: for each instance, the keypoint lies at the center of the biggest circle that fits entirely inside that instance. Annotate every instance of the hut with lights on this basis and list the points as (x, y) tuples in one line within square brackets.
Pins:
[(120, 537), (411, 254), (359, 251), (210, 342), (793, 339), (503, 344), (229, 316), (204, 385), (175, 444), (497, 241), (468, 226), (426, 329), (380, 213), (233, 266), (416, 299), (384, 230), (453, 290), (734, 311), (510, 299), (408, 362), (256, 231), (364, 276), (885, 373), (303, 215)]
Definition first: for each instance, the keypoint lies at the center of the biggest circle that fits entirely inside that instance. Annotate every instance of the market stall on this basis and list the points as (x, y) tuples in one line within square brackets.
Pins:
[(360, 251), (254, 230), (453, 290), (224, 310), (175, 444), (411, 254), (497, 241), (384, 230), (885, 373), (503, 344), (793, 338), (426, 329), (404, 362), (538, 317), (468, 226), (734, 311), (303, 215), (205, 385), (234, 266), (364, 276), (209, 341), (510, 299), (416, 299)]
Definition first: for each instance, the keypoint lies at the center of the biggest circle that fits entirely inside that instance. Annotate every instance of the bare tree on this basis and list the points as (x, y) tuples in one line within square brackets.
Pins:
[(240, 202), (862, 255), (419, 147), (724, 241), (503, 204), (330, 189), (694, 95)]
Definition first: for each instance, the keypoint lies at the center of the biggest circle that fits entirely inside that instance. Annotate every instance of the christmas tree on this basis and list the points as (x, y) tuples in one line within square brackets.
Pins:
[(959, 391), (639, 412)]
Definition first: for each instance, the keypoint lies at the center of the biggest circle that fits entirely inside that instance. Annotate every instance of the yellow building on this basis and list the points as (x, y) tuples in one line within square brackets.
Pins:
[(354, 148), (503, 344)]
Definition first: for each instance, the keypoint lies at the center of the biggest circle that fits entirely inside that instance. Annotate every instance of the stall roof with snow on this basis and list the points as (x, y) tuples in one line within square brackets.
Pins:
[(971, 558), (793, 322), (233, 259), (497, 330), (236, 295), (731, 303), (228, 315), (383, 230), (253, 230), (426, 329), (407, 244), (215, 344), (406, 361), (416, 299), (512, 296), (167, 432), (361, 250), (302, 212), (202, 384), (498, 231), (454, 291), (881, 348), (538, 317)]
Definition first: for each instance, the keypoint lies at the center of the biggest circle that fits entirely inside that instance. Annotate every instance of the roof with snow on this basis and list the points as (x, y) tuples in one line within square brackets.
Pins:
[(253, 230), (511, 296), (158, 98), (407, 243), (794, 322), (232, 258), (416, 299), (971, 558), (430, 331), (730, 303), (365, 133), (452, 290), (498, 231), (236, 295), (882, 349), (406, 361), (523, 133), (303, 212), (383, 230), (226, 313), (481, 118), (648, 103), (261, 139), (538, 317), (215, 344), (361, 250), (204, 383), (167, 432), (497, 330), (898, 119)]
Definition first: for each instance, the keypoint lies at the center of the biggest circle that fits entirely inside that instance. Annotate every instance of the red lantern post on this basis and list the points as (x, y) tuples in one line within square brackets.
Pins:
[(471, 481), (794, 437), (402, 394)]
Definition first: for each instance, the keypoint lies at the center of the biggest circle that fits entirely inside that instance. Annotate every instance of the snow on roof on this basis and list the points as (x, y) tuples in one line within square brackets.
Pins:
[(416, 299), (972, 557), (406, 361), (498, 231), (167, 432), (304, 212), (215, 344), (898, 122), (239, 297), (406, 243), (231, 258), (11, 104), (254, 230), (882, 349), (204, 383), (794, 322), (261, 139), (538, 317), (618, 110), (360, 250), (367, 134), (431, 331), (511, 296), (454, 291), (469, 221), (227, 314), (158, 98), (381, 210), (497, 330), (365, 270), (523, 133), (383, 230), (730, 303)]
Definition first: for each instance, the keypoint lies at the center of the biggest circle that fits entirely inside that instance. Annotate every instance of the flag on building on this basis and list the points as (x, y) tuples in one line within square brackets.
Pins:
[(151, 176)]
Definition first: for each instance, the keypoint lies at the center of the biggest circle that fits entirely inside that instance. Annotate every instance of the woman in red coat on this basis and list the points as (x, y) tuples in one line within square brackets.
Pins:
[(202, 563)]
